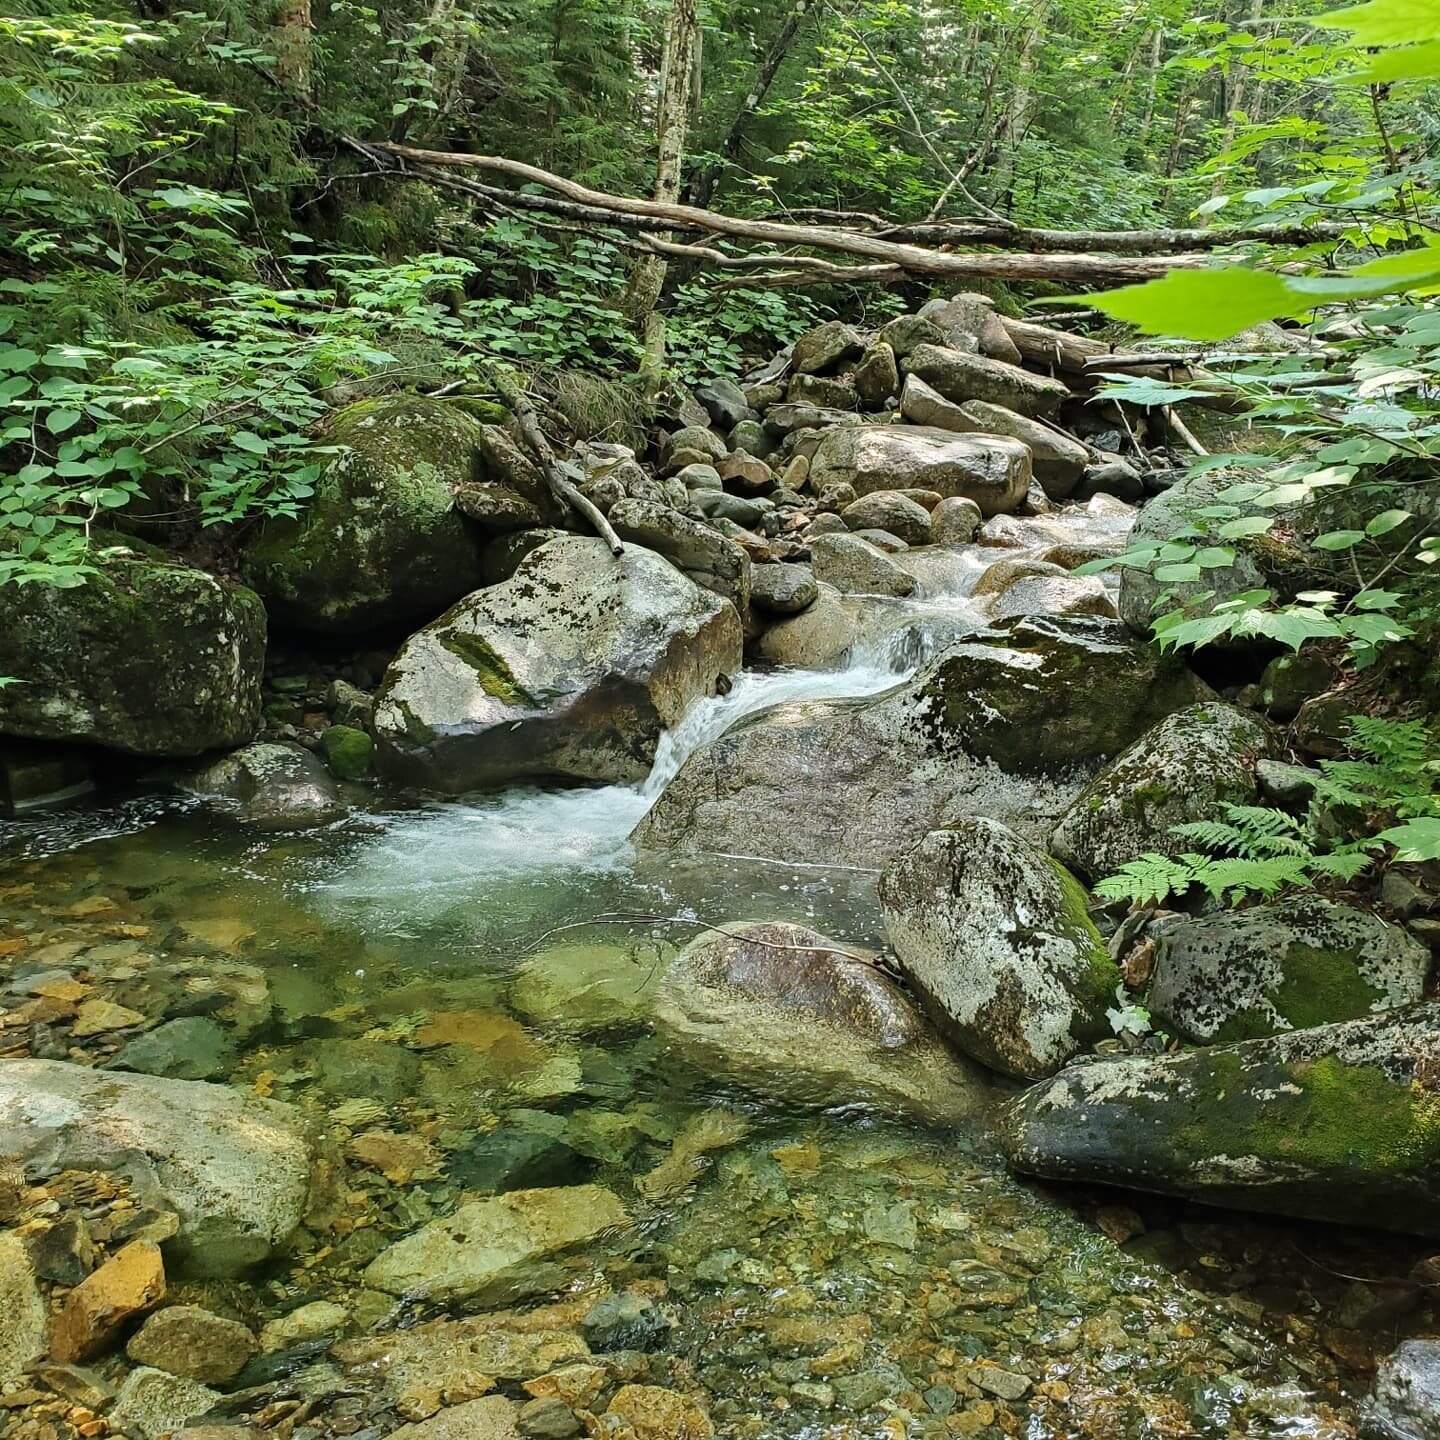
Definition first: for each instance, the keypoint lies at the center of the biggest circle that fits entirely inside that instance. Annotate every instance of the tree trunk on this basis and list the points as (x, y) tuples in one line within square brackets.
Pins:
[(678, 83), (703, 183), (294, 28)]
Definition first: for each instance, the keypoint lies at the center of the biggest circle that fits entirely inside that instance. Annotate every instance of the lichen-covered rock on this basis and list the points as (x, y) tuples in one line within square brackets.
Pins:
[(1053, 595), (713, 562), (877, 376), (1285, 965), (783, 589), (22, 1336), (1339, 1123), (153, 1403), (892, 511), (147, 656), (856, 567), (783, 1010), (955, 520), (959, 376), (826, 348), (994, 937), (235, 1168), (192, 1341), (1187, 768), (381, 542), (492, 1251), (991, 470), (274, 786), (1404, 1402), (572, 667), (1043, 692), (970, 322)]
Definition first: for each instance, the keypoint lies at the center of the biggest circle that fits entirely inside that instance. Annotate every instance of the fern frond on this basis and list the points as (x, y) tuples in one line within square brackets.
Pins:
[(1149, 880)]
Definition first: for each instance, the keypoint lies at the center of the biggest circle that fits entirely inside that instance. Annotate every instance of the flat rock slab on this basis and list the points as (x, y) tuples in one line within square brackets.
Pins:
[(235, 1168)]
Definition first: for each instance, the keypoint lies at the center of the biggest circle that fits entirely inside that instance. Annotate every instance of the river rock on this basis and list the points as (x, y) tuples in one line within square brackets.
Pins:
[(153, 1403), (816, 638), (1335, 1123), (706, 556), (826, 348), (1006, 723), (783, 589), (650, 1412), (147, 656), (994, 936), (834, 392), (234, 1167), (313, 1321), (191, 1341), (274, 786), (1404, 1402), (960, 377), (22, 1336), (877, 376), (724, 402), (992, 471), (1058, 460), (955, 520), (891, 511), (856, 567), (492, 1417), (1284, 965), (1053, 595), (780, 1009), (492, 1251), (696, 438), (1191, 765), (571, 667), (128, 1284), (969, 322), (193, 1047), (381, 542)]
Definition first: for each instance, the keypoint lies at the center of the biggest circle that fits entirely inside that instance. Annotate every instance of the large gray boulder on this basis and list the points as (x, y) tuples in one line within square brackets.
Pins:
[(993, 471), (1008, 724), (1187, 768), (147, 656), (712, 561), (780, 1009), (1404, 1402), (994, 937), (1336, 1123), (1284, 965), (381, 542), (273, 786), (856, 567), (235, 1168), (959, 376), (572, 667), (826, 348)]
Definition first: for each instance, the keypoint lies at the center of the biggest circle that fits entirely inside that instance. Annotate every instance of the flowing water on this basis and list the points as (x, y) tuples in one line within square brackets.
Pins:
[(469, 982)]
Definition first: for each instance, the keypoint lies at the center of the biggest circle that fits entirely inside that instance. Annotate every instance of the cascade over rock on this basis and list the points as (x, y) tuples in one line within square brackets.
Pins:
[(571, 667)]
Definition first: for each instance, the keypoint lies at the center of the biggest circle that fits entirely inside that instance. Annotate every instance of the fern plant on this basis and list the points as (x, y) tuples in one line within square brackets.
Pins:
[(1259, 850)]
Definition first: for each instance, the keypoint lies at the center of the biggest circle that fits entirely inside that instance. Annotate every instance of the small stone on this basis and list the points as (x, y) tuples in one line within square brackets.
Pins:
[(152, 1403), (128, 1284), (98, 1017), (625, 1321), (491, 1418), (77, 1384), (191, 1048), (399, 1158), (63, 1252), (1004, 1383), (307, 1322), (814, 1392), (547, 1420), (655, 1413), (350, 753), (579, 1386), (954, 521), (190, 1341)]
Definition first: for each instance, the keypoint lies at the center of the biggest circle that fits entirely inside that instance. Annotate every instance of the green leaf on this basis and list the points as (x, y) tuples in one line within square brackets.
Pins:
[(1377, 599), (1177, 574), (1386, 22), (1199, 304), (1410, 62), (1415, 841), (1245, 527), (246, 440), (1384, 523), (1338, 539), (57, 422)]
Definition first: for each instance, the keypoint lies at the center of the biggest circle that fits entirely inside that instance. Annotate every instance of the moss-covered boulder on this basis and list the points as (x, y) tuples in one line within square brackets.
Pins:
[(571, 667), (994, 937), (1338, 1123), (1043, 692), (1286, 965), (381, 544), (147, 656), (273, 786), (1188, 766)]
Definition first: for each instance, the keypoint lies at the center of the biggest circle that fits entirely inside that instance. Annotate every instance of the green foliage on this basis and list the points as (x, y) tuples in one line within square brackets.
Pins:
[(1390, 775)]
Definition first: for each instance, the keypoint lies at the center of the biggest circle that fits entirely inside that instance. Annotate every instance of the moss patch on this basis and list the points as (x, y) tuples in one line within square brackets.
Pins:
[(494, 674)]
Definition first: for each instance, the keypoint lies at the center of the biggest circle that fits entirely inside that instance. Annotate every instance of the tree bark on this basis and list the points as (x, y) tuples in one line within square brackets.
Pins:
[(294, 29)]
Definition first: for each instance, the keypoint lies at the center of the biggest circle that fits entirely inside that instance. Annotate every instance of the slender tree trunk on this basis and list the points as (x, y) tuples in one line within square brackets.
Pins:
[(702, 185), (1152, 88), (294, 28), (678, 82)]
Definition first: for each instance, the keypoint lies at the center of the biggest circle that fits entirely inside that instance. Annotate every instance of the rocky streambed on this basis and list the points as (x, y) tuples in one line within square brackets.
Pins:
[(657, 996)]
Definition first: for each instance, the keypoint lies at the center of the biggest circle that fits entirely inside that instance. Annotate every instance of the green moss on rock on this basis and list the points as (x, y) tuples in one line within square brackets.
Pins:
[(348, 752), (381, 543)]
